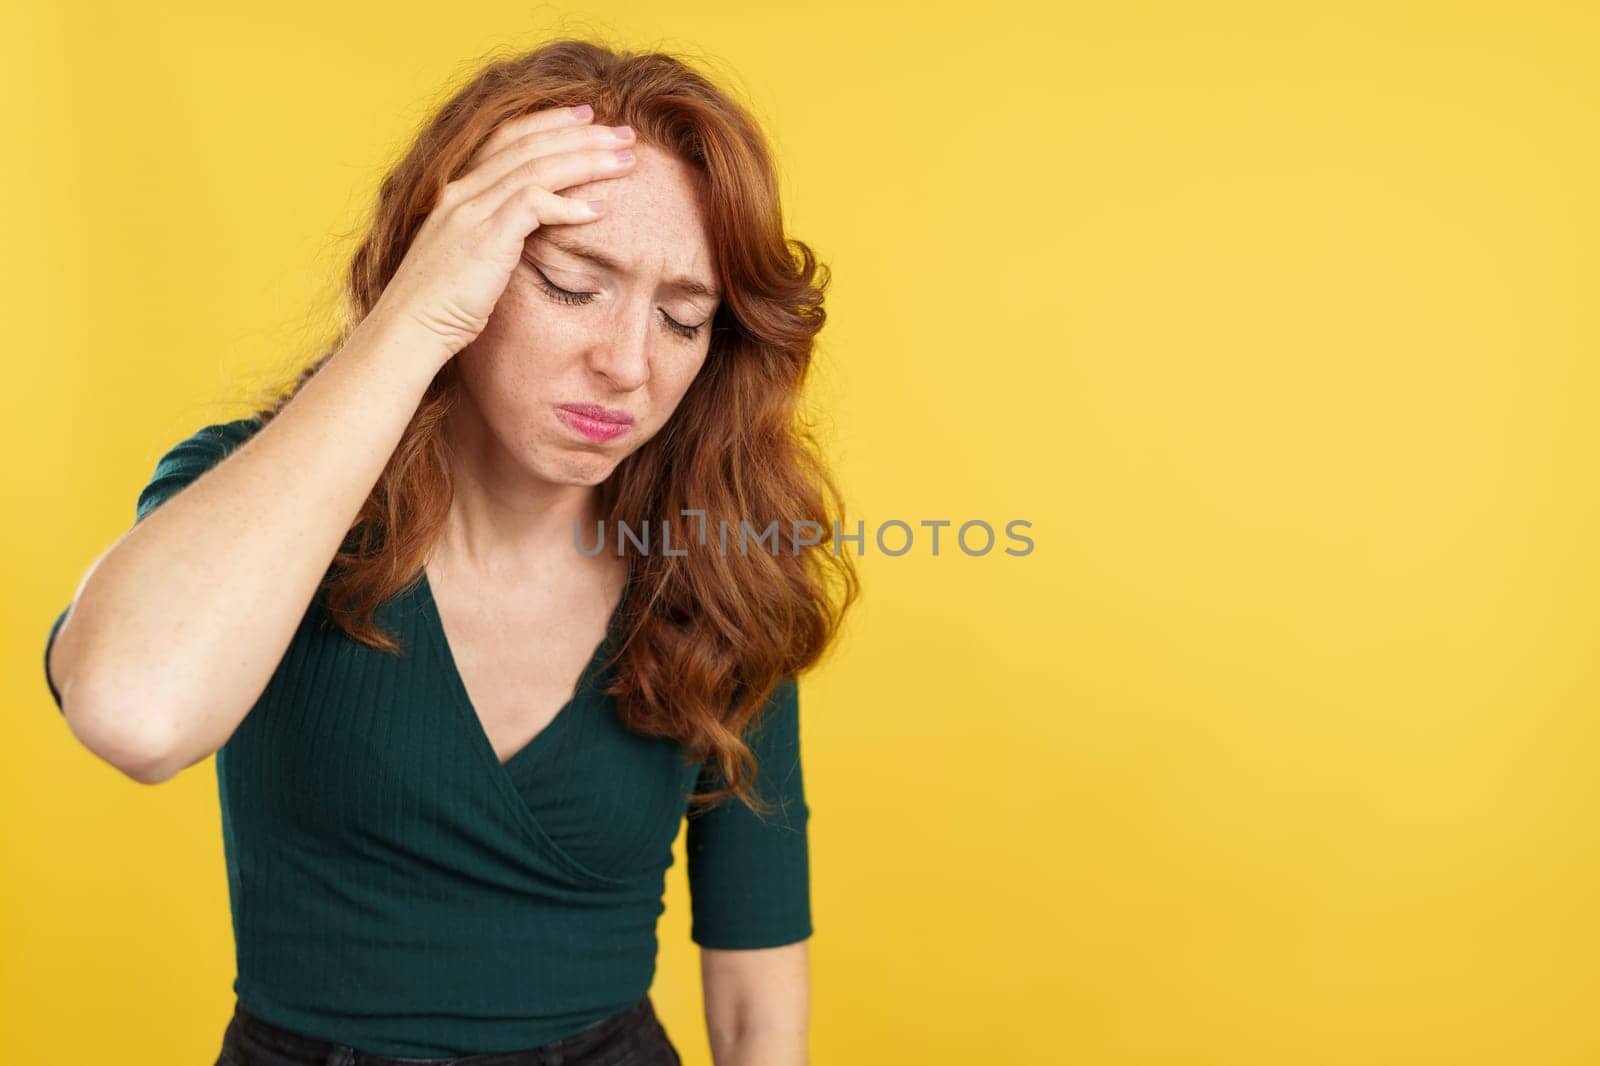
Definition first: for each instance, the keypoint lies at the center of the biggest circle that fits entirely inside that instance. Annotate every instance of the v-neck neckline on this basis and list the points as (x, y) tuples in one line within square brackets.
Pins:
[(440, 639)]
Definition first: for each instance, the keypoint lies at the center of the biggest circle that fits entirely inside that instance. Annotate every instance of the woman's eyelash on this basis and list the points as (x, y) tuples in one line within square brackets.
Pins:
[(560, 295)]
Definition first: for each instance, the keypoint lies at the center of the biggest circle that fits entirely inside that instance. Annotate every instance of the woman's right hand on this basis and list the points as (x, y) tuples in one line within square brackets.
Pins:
[(462, 256)]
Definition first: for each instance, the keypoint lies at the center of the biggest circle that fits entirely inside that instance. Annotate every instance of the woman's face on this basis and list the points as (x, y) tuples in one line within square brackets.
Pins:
[(629, 340)]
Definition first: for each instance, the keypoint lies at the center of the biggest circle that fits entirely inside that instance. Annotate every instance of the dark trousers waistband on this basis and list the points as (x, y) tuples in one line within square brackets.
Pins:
[(288, 1047)]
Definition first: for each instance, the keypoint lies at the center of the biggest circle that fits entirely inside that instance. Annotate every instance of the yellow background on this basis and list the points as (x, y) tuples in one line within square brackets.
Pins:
[(1275, 320)]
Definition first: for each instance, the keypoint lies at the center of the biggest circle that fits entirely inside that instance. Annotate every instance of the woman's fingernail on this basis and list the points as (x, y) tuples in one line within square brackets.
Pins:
[(582, 112)]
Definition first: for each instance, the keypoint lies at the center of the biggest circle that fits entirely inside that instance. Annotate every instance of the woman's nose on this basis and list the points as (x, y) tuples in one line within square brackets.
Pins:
[(623, 352)]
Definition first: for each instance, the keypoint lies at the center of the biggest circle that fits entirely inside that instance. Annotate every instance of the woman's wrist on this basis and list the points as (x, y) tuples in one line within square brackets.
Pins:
[(394, 344)]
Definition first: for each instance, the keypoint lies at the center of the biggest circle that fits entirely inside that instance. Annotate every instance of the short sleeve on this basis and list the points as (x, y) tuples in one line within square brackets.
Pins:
[(49, 642), (182, 464), (749, 875)]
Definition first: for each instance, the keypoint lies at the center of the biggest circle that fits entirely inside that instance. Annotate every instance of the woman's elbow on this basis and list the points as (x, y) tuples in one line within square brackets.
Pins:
[(105, 721)]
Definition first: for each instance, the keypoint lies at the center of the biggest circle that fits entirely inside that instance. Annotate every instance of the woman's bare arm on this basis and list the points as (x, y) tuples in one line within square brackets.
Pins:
[(178, 627), (758, 1004)]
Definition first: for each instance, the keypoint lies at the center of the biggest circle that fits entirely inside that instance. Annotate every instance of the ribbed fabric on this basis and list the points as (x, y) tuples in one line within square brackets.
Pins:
[(395, 888)]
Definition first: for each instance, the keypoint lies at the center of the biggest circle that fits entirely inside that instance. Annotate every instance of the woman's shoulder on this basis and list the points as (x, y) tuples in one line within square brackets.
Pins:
[(207, 445), (224, 434), (183, 462)]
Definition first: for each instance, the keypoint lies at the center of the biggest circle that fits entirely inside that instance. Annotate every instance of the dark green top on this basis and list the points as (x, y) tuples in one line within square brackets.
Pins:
[(395, 888)]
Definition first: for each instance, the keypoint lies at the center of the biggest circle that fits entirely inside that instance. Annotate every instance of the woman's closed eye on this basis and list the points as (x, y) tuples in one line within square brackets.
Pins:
[(565, 296)]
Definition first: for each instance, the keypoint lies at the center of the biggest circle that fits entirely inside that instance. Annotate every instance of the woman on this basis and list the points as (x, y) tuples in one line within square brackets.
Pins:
[(455, 742)]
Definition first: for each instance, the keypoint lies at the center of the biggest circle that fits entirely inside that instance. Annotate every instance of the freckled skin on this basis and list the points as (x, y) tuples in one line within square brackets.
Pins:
[(617, 350)]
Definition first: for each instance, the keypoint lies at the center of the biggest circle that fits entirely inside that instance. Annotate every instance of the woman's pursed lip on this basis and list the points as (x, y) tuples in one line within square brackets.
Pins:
[(600, 414)]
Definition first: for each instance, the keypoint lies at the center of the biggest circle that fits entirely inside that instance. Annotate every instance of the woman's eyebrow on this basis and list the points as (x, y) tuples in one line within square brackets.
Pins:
[(682, 283)]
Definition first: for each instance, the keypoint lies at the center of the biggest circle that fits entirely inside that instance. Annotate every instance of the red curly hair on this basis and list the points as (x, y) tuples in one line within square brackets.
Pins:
[(707, 635)]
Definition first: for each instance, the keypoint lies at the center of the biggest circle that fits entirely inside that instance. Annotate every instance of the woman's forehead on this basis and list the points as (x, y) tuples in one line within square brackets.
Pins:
[(654, 221)]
